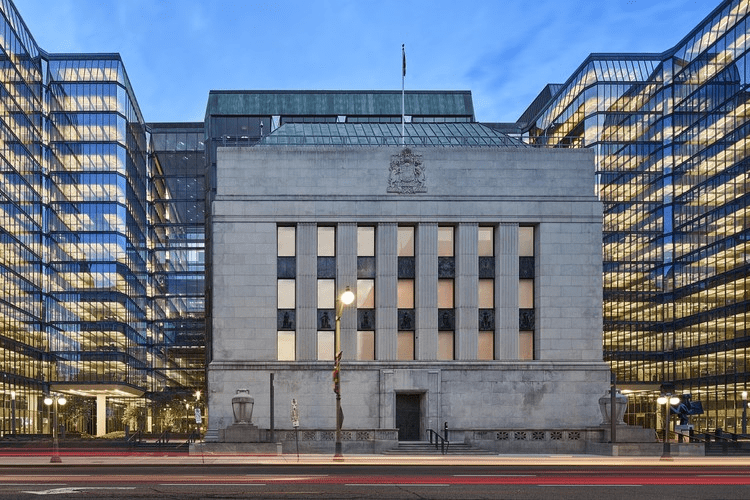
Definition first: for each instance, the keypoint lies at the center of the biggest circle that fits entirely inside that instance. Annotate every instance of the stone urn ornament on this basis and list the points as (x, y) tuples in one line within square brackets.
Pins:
[(242, 407), (621, 404)]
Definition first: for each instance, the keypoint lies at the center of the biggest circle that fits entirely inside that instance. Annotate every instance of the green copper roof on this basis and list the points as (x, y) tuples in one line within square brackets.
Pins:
[(332, 103), (389, 134)]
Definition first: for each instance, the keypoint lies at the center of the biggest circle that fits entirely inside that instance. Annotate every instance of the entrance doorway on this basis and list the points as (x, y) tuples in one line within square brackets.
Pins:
[(408, 416)]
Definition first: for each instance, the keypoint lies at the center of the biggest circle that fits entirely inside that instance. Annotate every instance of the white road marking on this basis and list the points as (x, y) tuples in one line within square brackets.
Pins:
[(77, 489)]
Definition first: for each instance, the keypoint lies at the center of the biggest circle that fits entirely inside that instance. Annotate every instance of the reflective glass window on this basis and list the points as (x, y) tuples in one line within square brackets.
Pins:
[(286, 242), (486, 346), (405, 348), (286, 347), (445, 242), (326, 241), (365, 241), (405, 241), (365, 345)]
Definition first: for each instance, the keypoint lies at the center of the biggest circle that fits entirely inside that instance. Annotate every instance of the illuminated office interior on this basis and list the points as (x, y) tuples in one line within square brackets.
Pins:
[(92, 305), (670, 133)]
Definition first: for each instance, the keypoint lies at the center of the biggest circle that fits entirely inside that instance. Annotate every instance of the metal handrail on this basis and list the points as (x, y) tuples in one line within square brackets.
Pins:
[(163, 438), (136, 437), (192, 438), (444, 443)]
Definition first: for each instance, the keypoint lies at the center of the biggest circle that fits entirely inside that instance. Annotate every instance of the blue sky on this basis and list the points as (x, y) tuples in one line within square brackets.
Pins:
[(504, 51)]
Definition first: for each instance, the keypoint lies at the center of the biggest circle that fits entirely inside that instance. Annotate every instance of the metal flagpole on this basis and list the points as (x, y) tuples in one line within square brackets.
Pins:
[(403, 76)]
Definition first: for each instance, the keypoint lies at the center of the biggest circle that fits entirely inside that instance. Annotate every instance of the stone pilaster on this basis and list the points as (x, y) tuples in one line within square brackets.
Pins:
[(506, 292), (466, 287), (386, 283), (307, 291), (346, 275), (425, 295)]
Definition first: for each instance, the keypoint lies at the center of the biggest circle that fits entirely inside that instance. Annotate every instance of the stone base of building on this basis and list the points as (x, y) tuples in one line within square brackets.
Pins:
[(628, 434), (242, 433), (354, 442), (235, 449), (646, 449), (632, 441)]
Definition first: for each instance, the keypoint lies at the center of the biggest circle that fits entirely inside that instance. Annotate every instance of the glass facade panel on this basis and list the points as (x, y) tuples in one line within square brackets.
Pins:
[(669, 133), (526, 241), (326, 242), (287, 241), (325, 346), (445, 346), (486, 346), (486, 294), (405, 241), (445, 294), (286, 346), (526, 345), (365, 345), (405, 348), (326, 294), (486, 237), (405, 294), (286, 294), (365, 294), (365, 241), (445, 242), (526, 294)]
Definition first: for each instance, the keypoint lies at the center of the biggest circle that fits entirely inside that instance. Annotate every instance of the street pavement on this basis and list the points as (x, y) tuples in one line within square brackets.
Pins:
[(36, 458)]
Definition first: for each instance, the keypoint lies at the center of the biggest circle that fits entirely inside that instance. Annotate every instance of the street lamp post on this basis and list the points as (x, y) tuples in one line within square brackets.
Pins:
[(187, 416), (345, 299), (667, 400), (55, 444), (197, 408), (744, 412), (13, 412)]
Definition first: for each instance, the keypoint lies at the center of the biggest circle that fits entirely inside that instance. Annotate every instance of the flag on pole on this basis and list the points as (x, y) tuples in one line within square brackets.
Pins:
[(403, 60)]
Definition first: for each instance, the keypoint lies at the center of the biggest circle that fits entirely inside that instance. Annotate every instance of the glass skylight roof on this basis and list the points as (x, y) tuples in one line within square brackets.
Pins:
[(389, 134)]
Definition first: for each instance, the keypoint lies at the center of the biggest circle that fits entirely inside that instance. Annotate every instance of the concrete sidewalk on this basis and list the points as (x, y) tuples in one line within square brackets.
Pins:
[(10, 458)]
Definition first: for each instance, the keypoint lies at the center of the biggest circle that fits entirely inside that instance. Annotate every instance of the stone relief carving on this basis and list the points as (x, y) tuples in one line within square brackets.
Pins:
[(407, 173)]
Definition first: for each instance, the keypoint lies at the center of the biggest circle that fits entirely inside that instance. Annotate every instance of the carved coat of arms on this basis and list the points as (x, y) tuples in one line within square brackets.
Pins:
[(407, 174)]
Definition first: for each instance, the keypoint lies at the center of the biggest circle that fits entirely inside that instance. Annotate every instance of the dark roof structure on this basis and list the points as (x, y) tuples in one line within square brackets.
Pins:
[(389, 134)]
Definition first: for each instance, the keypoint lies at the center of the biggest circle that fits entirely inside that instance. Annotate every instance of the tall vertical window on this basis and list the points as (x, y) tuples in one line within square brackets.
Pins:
[(286, 290), (326, 292), (287, 241), (526, 292), (405, 294), (446, 292), (366, 272), (326, 241), (486, 294)]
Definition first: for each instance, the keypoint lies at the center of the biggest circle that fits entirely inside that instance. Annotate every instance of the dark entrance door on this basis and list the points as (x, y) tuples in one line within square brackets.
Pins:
[(407, 416)]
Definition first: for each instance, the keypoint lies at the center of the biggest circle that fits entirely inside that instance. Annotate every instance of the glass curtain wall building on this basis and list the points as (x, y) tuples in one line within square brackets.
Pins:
[(670, 133), (82, 305), (177, 259)]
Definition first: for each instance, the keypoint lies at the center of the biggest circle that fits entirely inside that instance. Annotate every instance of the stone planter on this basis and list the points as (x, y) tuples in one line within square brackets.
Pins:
[(621, 403), (242, 407)]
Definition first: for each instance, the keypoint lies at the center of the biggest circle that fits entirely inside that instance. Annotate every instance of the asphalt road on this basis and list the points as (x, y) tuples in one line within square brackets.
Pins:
[(342, 481)]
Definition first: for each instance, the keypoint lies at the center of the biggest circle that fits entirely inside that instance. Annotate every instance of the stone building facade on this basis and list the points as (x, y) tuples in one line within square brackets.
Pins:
[(478, 280)]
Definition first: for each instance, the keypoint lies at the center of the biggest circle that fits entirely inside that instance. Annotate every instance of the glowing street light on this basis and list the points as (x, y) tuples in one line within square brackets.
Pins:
[(345, 299), (13, 412), (744, 412), (668, 401), (49, 400)]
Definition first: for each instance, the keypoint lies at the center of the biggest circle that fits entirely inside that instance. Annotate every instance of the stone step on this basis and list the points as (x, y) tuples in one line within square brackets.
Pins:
[(425, 448)]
